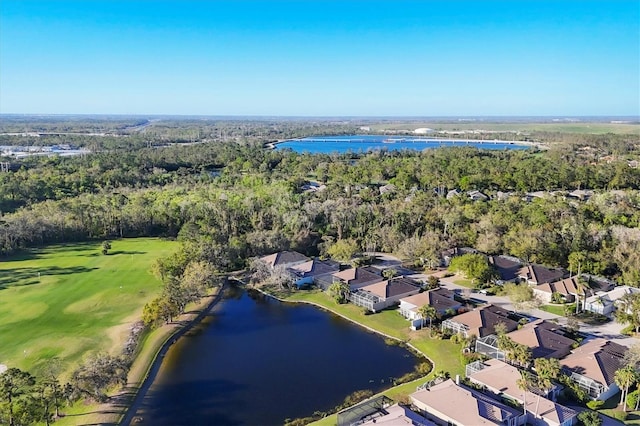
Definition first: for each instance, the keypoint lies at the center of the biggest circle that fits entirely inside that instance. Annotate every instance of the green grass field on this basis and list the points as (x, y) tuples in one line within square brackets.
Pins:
[(65, 301), (579, 127)]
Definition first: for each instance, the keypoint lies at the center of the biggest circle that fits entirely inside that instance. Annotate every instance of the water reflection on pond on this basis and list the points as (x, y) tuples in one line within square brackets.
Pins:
[(257, 361)]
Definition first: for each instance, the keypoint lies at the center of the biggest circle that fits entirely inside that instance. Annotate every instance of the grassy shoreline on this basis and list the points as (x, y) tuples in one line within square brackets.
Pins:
[(390, 325), (146, 358)]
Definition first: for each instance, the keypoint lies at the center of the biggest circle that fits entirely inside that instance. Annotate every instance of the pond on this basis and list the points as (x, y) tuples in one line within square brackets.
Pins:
[(256, 361)]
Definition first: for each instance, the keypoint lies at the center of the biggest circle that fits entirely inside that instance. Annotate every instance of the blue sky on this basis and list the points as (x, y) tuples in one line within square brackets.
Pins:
[(321, 58)]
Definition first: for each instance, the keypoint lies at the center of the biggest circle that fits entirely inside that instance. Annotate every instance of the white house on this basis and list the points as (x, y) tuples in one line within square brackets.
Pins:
[(604, 302)]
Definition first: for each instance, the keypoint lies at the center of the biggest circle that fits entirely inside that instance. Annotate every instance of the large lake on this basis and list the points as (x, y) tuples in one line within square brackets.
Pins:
[(364, 143), (256, 361)]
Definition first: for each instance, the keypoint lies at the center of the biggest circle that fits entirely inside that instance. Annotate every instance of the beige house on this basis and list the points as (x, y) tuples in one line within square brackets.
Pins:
[(546, 340), (568, 288), (593, 366), (449, 403), (285, 259), (501, 379), (441, 299), (538, 274), (380, 295), (357, 277), (480, 322)]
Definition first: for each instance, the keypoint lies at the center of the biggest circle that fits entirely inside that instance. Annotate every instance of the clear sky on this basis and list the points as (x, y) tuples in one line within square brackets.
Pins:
[(321, 58)]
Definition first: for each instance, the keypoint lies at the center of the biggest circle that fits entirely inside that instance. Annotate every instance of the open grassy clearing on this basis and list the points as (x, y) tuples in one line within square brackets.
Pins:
[(444, 354), (581, 127), (66, 300)]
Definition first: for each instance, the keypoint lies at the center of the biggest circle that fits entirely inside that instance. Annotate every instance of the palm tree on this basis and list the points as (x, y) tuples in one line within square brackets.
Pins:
[(625, 377), (547, 370), (427, 312), (522, 355), (524, 383)]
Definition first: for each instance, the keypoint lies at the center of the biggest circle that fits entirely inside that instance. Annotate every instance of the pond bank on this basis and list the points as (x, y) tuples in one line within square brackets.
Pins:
[(373, 330), (134, 392)]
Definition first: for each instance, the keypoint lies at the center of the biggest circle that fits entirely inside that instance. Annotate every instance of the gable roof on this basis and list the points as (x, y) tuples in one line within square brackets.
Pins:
[(441, 299), (544, 338), (284, 258), (357, 277), (482, 321), (507, 267), (502, 378), (391, 288), (470, 408), (313, 268), (539, 274), (566, 287), (597, 359)]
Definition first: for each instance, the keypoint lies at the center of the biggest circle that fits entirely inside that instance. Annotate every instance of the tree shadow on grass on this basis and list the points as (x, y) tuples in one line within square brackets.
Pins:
[(113, 253), (132, 252), (40, 252), (15, 277)]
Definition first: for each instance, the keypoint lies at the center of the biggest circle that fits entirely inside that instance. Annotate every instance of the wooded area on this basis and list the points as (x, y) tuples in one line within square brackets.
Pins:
[(235, 200)]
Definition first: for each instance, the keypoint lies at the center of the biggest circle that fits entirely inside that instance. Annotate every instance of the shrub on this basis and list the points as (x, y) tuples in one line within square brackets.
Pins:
[(632, 399), (595, 404), (589, 418)]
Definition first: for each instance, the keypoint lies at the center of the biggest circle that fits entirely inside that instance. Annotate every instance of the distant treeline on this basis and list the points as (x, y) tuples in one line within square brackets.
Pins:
[(234, 201)]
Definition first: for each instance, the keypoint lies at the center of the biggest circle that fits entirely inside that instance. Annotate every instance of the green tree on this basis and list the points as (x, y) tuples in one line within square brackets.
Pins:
[(628, 311), (15, 385), (343, 250), (525, 383), (106, 246), (339, 290), (521, 296), (625, 378), (427, 312), (547, 370), (589, 418), (474, 266), (433, 282)]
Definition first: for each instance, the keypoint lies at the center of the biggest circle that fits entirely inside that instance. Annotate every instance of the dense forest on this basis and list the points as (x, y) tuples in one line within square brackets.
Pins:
[(235, 199)]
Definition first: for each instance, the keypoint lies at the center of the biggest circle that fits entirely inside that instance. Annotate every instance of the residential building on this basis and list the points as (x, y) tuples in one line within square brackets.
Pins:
[(568, 288), (441, 299), (308, 272), (396, 415), (380, 295), (538, 274), (477, 196), (480, 322), (501, 379), (357, 277), (285, 259), (507, 267), (605, 302), (593, 366), (544, 338), (449, 403)]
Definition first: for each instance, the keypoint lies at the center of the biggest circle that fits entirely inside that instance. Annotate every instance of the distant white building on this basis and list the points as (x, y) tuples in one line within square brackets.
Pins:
[(423, 131)]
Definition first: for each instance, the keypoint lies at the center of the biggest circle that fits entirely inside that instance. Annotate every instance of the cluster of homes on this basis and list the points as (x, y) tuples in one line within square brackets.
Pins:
[(495, 391), (591, 365)]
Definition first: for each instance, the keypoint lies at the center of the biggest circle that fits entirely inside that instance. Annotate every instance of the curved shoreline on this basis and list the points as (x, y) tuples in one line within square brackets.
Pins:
[(324, 308), (156, 362)]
